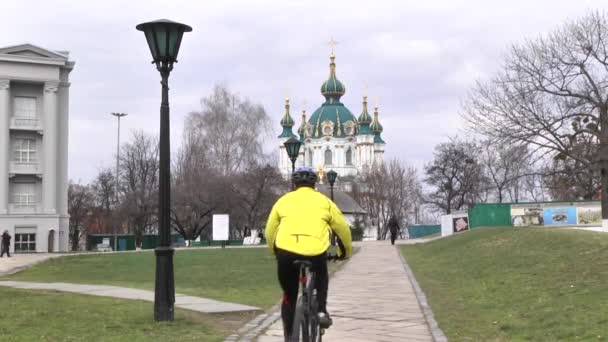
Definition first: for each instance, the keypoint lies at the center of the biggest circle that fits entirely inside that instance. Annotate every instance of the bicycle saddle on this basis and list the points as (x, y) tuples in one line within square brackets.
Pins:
[(303, 263)]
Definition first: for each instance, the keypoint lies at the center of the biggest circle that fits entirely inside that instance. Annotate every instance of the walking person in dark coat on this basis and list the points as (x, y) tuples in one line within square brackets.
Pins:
[(6, 244), (393, 226)]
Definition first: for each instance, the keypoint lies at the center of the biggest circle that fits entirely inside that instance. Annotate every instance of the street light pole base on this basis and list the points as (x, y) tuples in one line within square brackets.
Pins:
[(164, 293)]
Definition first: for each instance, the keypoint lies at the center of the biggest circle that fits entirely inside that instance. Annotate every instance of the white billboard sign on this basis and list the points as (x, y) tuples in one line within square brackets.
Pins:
[(220, 227)]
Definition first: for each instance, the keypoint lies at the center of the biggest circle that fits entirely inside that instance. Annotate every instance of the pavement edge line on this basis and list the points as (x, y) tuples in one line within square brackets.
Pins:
[(436, 332)]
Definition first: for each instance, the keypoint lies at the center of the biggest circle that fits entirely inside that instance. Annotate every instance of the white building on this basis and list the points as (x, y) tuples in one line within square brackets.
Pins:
[(34, 96), (333, 138)]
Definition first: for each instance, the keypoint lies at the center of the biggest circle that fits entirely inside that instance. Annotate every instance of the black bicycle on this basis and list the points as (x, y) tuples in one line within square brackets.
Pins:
[(306, 326)]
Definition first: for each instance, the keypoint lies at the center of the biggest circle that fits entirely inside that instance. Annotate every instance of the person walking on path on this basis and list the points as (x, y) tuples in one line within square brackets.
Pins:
[(6, 244), (393, 226)]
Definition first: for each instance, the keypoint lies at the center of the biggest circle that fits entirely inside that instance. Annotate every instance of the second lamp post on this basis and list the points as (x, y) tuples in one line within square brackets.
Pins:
[(292, 145)]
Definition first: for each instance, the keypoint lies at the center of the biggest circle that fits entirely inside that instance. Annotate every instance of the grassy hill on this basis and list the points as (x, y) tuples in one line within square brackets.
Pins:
[(506, 284), (239, 275)]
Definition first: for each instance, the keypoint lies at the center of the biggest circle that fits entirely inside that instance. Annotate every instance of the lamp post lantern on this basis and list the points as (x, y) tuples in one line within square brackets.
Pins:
[(164, 38), (118, 116), (331, 178), (292, 145)]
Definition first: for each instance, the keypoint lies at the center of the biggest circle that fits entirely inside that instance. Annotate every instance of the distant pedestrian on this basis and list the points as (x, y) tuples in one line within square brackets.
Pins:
[(393, 226), (6, 244)]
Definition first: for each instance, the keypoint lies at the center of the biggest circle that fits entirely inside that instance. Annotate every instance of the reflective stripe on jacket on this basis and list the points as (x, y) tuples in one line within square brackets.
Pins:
[(300, 222)]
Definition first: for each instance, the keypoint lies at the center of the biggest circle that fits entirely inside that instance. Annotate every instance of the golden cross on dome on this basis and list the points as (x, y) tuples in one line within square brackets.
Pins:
[(365, 88), (332, 43)]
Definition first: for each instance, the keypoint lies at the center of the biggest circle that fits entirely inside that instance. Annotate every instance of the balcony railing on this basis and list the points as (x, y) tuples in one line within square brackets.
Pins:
[(25, 168), (16, 208), (26, 124)]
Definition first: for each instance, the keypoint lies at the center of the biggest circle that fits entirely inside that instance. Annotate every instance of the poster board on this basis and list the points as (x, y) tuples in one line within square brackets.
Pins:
[(460, 223), (589, 215), (220, 227), (559, 216), (526, 215), (446, 225)]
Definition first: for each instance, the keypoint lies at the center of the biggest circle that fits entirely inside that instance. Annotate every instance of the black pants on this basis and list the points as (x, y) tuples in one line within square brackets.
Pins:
[(5, 250), (393, 238), (289, 280)]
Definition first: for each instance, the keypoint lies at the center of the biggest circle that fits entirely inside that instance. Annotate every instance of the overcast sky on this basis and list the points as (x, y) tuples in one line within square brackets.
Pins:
[(418, 57)]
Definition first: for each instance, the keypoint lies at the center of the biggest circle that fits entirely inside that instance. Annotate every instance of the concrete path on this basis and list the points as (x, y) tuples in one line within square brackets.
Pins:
[(181, 301), (18, 262), (371, 299)]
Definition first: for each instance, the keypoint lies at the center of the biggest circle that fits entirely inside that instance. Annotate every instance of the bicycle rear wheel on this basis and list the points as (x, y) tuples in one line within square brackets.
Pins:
[(301, 324), (315, 326)]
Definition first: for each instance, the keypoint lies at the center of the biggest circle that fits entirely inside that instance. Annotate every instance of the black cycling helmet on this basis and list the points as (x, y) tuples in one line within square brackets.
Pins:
[(304, 176)]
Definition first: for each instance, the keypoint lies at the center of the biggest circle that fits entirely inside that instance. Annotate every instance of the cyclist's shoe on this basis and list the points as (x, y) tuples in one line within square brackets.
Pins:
[(324, 320)]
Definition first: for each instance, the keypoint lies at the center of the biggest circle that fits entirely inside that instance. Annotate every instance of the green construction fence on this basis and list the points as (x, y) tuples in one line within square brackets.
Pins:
[(421, 230), (126, 242), (490, 215)]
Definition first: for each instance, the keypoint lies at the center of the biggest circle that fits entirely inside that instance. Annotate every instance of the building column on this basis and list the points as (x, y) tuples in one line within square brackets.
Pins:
[(5, 115), (62, 148), (49, 143)]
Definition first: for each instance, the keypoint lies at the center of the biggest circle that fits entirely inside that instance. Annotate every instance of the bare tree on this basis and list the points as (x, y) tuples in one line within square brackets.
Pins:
[(104, 196), (80, 204), (139, 183), (552, 95), (388, 189), (256, 190), (504, 166), (230, 130), (456, 176)]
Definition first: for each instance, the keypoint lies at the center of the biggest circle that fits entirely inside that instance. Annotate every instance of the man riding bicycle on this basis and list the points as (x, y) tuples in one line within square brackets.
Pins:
[(299, 228)]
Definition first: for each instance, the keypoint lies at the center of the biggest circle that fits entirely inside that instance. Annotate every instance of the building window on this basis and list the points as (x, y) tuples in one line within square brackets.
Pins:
[(24, 193), (310, 157), (25, 243), (24, 150), (349, 157), (25, 107), (328, 157)]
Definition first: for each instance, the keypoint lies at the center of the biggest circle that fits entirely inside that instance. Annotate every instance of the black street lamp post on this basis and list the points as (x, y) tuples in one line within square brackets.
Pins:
[(292, 145), (331, 178), (164, 39)]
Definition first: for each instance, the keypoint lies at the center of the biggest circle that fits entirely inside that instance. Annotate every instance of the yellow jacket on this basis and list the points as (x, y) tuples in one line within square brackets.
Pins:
[(300, 223)]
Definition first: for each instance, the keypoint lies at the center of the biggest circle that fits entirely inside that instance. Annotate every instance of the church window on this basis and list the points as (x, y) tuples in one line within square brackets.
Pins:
[(349, 157), (328, 157), (309, 155)]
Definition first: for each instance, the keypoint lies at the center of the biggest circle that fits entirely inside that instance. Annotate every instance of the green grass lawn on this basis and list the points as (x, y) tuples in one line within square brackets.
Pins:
[(239, 275), (515, 284), (50, 316)]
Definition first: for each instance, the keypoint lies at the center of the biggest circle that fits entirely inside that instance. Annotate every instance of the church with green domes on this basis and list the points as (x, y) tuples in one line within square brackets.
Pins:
[(333, 138)]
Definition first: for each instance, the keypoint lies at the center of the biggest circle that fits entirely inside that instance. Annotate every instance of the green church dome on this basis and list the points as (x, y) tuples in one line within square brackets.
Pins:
[(332, 118), (364, 119), (377, 128), (332, 89), (287, 122)]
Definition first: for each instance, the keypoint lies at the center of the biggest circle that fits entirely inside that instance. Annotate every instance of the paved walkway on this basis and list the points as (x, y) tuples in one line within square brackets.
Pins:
[(181, 301), (370, 299), (18, 262)]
